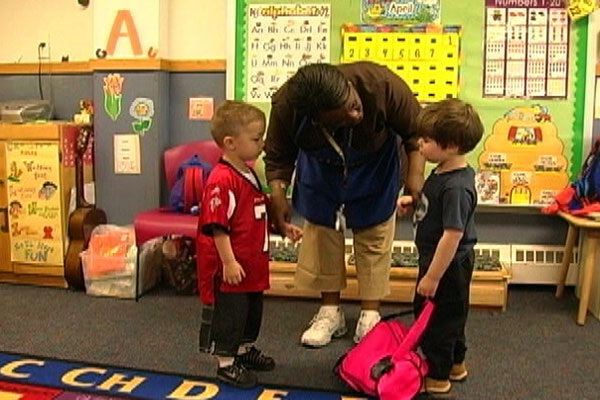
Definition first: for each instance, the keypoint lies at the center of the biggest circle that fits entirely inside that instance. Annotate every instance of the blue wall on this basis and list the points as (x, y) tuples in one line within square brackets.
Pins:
[(122, 196), (182, 87), (65, 91)]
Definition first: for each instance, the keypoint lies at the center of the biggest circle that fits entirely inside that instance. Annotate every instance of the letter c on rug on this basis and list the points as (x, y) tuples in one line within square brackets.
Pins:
[(9, 369), (181, 393)]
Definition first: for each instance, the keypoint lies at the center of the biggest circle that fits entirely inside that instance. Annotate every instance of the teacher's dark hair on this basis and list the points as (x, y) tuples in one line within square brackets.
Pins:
[(317, 87)]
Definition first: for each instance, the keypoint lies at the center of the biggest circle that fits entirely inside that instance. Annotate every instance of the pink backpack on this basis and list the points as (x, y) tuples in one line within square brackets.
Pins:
[(385, 363)]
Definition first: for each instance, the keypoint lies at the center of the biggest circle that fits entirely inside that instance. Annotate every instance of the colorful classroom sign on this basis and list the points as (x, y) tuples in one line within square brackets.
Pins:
[(526, 49), (426, 57), (282, 38), (34, 199), (522, 161), (401, 11)]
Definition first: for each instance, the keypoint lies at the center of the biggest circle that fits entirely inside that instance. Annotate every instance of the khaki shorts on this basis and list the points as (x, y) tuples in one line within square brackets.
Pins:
[(321, 260)]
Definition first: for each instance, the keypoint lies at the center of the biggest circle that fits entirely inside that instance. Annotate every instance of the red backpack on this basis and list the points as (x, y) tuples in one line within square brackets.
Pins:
[(583, 195), (385, 363), (186, 194)]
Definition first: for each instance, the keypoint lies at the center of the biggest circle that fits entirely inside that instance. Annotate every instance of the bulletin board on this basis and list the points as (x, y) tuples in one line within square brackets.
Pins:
[(515, 127)]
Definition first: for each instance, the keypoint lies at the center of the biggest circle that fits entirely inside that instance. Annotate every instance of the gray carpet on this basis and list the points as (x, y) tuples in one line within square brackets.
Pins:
[(533, 351)]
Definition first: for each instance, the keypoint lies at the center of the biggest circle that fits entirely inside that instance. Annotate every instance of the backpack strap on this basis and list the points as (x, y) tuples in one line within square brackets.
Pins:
[(198, 185), (188, 189), (193, 185), (412, 338)]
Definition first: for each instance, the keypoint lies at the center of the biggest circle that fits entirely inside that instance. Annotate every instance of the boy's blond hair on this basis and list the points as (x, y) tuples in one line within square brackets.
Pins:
[(450, 122), (231, 117)]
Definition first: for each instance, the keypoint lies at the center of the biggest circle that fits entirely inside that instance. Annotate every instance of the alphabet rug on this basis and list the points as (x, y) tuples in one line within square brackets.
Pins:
[(25, 377)]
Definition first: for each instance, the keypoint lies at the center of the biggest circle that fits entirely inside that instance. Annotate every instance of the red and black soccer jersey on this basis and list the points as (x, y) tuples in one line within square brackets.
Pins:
[(234, 204)]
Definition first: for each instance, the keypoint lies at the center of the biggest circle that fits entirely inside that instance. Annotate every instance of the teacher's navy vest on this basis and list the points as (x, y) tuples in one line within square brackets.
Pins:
[(368, 192)]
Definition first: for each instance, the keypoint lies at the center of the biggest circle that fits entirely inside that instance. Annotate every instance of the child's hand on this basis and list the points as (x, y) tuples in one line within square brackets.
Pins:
[(292, 232), (233, 273), (404, 205), (427, 286)]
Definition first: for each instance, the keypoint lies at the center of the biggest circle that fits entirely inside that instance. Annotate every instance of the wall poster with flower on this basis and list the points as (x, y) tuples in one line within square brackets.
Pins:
[(142, 110), (113, 94)]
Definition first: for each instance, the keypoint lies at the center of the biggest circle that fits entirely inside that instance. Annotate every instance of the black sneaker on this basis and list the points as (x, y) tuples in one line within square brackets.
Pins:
[(254, 359), (237, 375)]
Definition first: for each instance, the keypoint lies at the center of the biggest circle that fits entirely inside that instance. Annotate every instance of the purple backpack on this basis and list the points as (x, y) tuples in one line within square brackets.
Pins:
[(385, 363), (186, 193)]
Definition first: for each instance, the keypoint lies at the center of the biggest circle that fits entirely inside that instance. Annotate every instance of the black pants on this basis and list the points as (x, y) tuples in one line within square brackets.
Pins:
[(444, 341), (235, 319)]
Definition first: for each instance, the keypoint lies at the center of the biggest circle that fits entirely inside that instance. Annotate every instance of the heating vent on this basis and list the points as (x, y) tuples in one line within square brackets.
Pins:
[(536, 264), (529, 254)]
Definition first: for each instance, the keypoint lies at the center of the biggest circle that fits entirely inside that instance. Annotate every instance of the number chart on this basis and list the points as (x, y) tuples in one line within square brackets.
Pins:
[(526, 49), (426, 57)]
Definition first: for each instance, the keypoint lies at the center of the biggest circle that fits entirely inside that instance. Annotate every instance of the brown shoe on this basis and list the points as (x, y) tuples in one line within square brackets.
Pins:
[(458, 372), (437, 386)]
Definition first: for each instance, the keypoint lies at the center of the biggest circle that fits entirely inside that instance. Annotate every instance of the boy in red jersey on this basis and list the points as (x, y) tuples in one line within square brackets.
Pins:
[(233, 247)]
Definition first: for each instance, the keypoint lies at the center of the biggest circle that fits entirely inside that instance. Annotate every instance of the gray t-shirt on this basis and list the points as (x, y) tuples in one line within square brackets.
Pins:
[(448, 201)]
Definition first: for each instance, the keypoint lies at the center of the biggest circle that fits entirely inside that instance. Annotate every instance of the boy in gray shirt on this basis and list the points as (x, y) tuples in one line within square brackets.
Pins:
[(445, 236)]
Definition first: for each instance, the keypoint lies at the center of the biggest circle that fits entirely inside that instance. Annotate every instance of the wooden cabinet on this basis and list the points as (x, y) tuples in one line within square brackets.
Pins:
[(37, 175)]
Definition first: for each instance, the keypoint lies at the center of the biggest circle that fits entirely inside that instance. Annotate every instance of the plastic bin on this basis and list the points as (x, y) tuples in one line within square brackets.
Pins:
[(113, 282)]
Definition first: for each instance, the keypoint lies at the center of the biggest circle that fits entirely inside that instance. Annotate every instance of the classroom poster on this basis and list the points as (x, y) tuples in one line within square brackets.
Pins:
[(401, 11), (426, 57), (526, 49), (282, 38), (523, 162), (34, 202)]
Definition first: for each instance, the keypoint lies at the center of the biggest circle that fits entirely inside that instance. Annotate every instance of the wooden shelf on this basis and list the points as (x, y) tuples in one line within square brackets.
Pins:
[(111, 64), (488, 288), (510, 209)]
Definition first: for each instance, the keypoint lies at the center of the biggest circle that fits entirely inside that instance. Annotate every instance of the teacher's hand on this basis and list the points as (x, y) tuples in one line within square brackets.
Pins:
[(280, 212)]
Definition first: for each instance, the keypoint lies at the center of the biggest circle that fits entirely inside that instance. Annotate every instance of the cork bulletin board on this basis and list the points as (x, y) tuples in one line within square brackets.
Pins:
[(532, 145)]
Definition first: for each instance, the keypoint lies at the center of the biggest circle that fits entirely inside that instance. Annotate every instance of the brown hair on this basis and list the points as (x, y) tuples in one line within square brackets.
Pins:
[(450, 122), (231, 117)]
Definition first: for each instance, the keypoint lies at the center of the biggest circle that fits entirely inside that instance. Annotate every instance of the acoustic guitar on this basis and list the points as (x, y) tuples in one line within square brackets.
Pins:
[(83, 220)]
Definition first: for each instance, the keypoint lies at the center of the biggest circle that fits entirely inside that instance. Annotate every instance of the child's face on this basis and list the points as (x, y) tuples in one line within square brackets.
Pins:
[(249, 142), (433, 152)]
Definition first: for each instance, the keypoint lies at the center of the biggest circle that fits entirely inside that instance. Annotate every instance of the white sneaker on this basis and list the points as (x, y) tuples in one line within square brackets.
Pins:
[(327, 323), (367, 320)]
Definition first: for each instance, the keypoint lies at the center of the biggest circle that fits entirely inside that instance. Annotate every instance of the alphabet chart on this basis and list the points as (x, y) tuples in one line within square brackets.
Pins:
[(526, 49), (282, 38), (426, 57)]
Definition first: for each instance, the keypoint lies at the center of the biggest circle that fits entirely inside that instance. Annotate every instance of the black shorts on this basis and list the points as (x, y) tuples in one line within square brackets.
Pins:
[(234, 319)]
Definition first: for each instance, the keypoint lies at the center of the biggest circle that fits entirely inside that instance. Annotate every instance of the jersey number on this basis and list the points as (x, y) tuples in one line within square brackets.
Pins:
[(260, 212)]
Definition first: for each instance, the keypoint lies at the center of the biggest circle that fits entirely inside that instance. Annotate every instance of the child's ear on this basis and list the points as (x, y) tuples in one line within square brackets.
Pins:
[(228, 142)]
